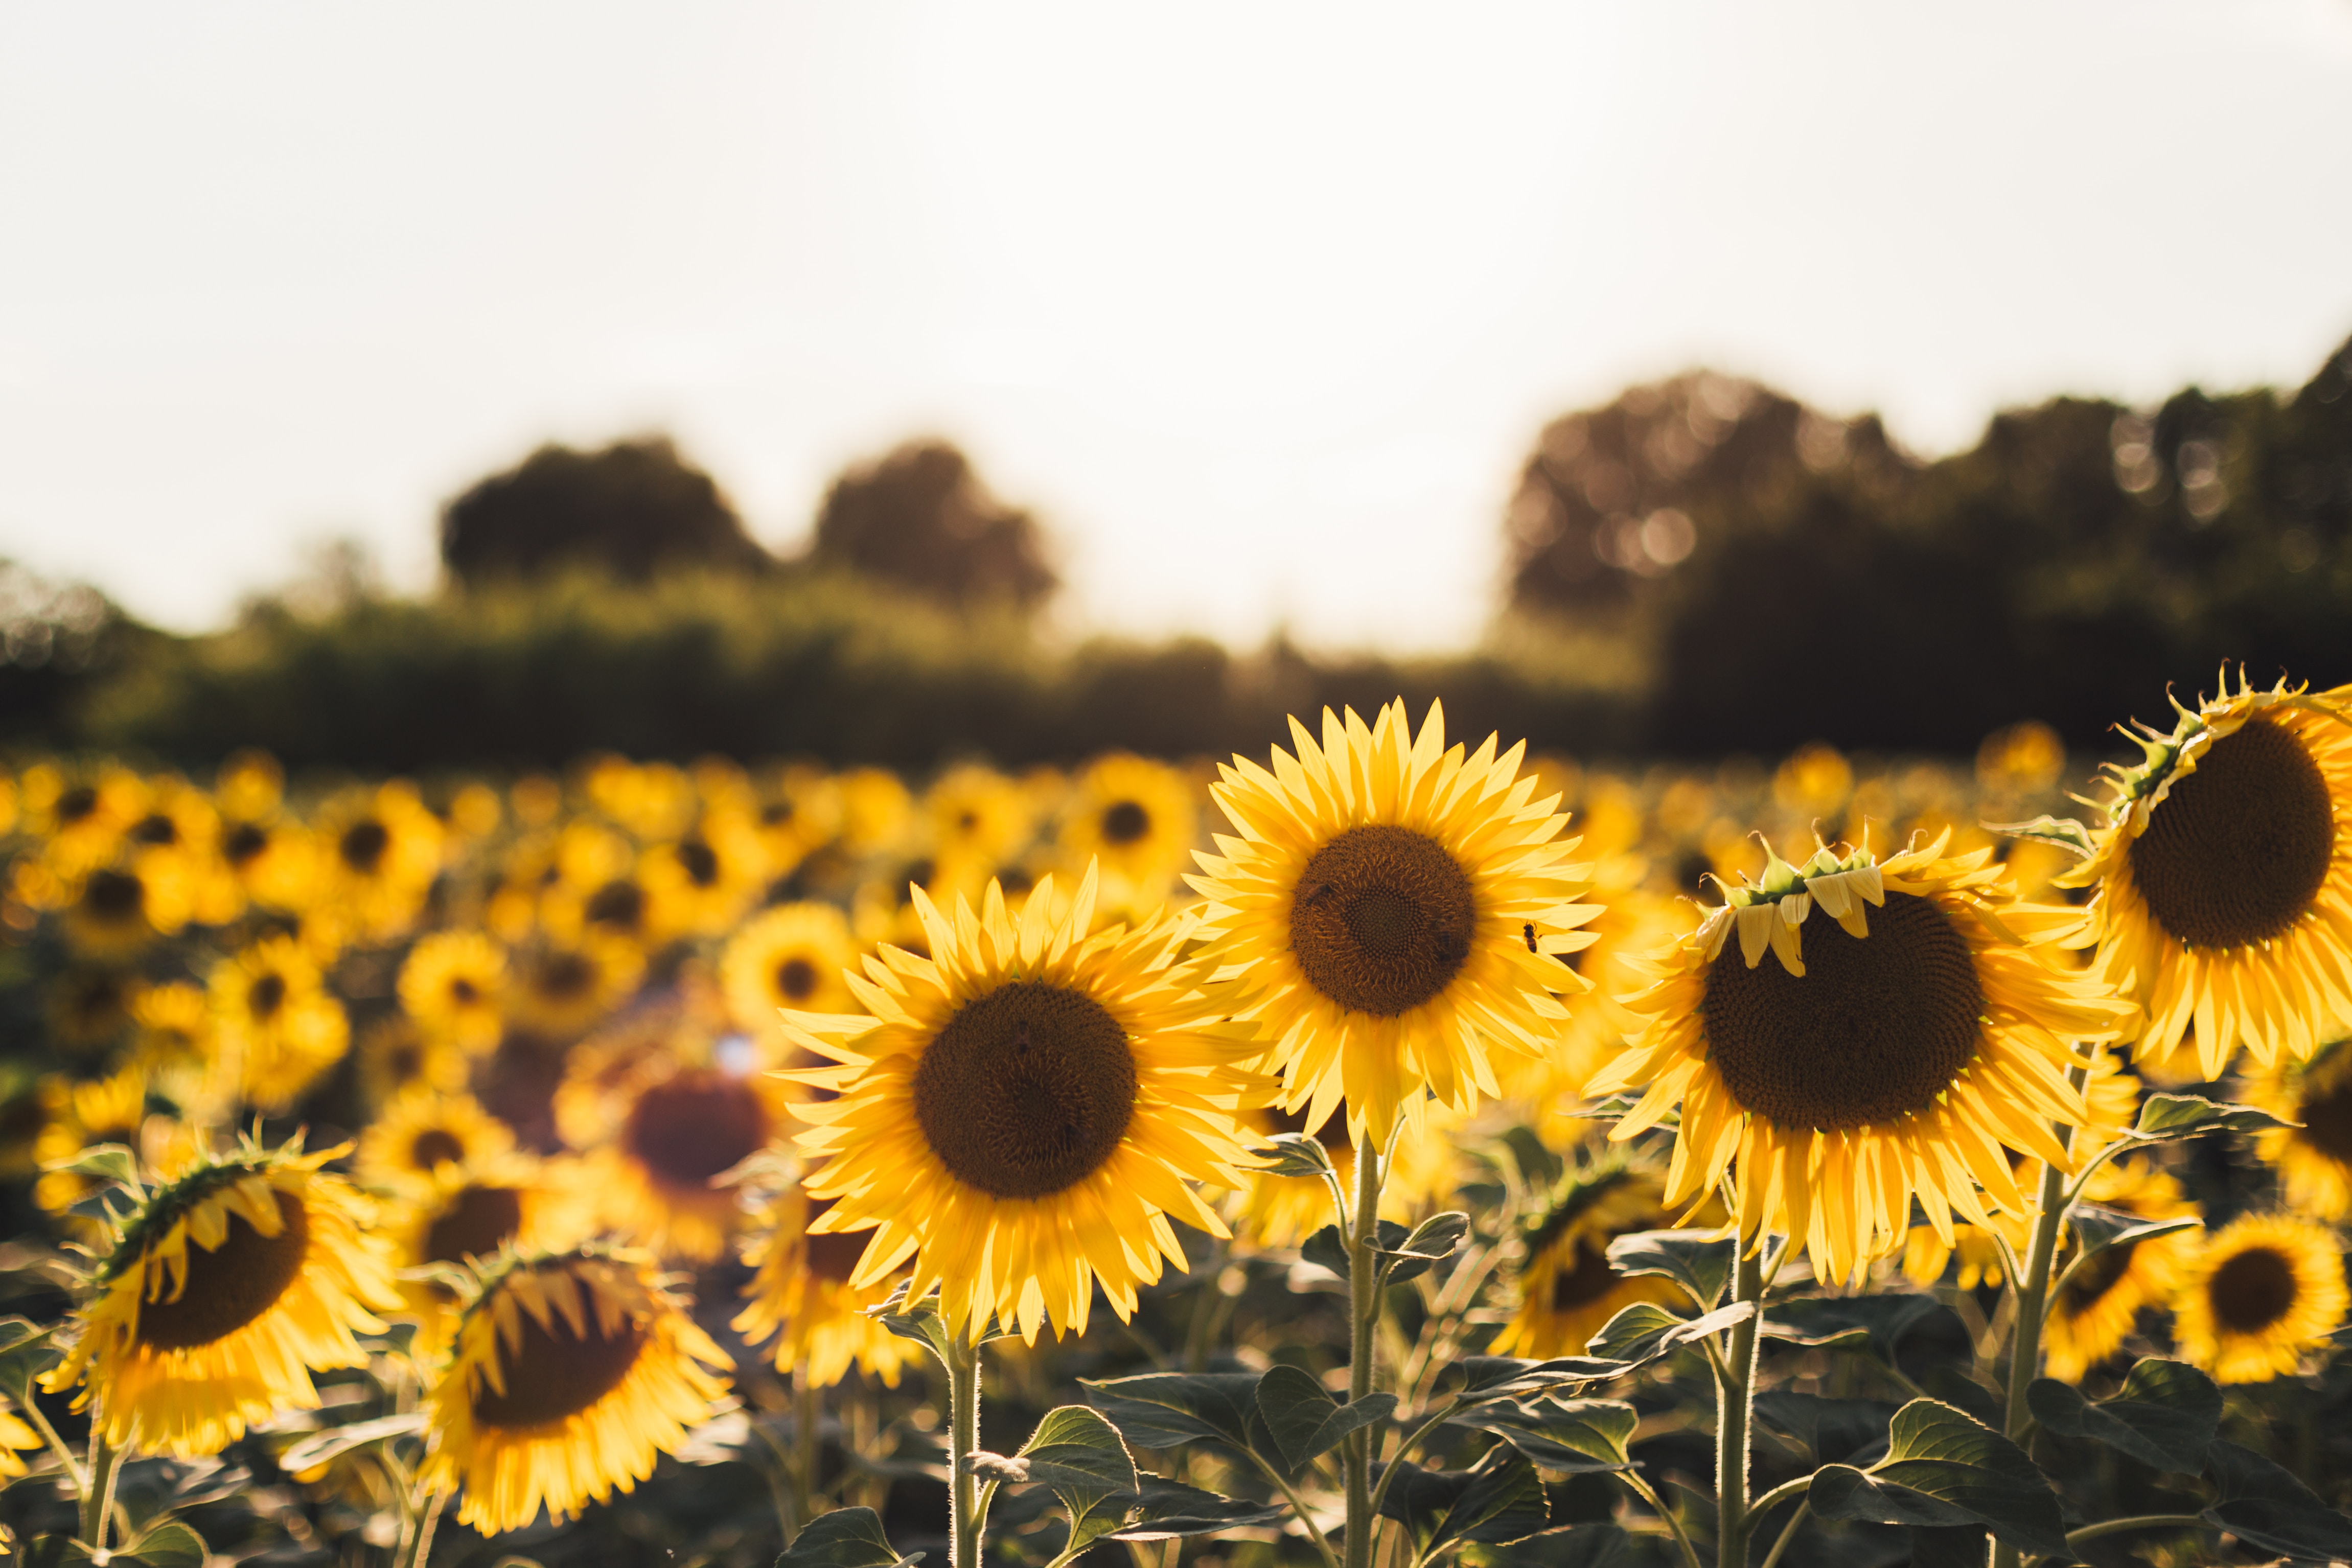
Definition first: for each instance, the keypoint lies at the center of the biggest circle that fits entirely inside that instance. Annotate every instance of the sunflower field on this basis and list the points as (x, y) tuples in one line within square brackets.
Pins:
[(1384, 1149)]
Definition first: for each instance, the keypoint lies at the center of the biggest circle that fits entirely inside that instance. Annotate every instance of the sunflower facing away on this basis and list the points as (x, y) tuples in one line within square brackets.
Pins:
[(1391, 910), (1026, 1108), (1841, 1067), (225, 1289), (2314, 1159), (2224, 875), (2263, 1292), (1567, 1288), (2092, 1313), (802, 1287), (572, 1373)]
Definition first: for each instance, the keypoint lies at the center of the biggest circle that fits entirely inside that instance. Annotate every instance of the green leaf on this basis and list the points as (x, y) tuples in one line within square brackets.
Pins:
[(1592, 1544), (169, 1544), (1473, 1378), (320, 1447), (2063, 831), (1943, 1467), (2266, 1508), (25, 1354), (2165, 1416), (1536, 1166), (1834, 1431), (1078, 1454), (922, 1323), (1646, 1330), (845, 1538), (1163, 1509), (1700, 1266), (1428, 1243), (1504, 1501), (1614, 1108), (1876, 1322), (2096, 1229), (1327, 1248), (1168, 1409), (1295, 1155), (1568, 1435), (1306, 1422), (2164, 1117), (111, 1163), (1418, 1499)]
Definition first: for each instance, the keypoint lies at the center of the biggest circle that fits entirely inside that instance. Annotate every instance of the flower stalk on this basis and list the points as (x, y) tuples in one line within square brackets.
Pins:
[(964, 1515), (1735, 1395), (1364, 1313)]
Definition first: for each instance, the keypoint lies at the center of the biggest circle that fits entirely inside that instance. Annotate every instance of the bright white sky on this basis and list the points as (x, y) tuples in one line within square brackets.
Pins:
[(1261, 306)]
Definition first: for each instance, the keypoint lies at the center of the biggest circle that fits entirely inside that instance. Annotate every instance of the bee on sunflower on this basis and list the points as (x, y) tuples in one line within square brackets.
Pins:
[(1391, 910), (1568, 1289), (2313, 1154), (1026, 1108), (2263, 1292), (1885, 1052), (224, 1289), (2223, 875), (571, 1373), (800, 1293)]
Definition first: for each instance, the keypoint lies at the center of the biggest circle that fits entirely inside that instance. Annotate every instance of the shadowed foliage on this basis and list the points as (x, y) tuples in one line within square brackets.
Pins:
[(633, 509)]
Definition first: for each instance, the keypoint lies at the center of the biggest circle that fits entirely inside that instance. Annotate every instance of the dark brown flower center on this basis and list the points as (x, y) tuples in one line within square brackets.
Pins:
[(833, 1255), (464, 992), (796, 979), (155, 827), (552, 1373), (113, 895), (363, 844), (76, 804), (1874, 1030), (1125, 822), (619, 904), (1381, 920), (266, 995), (699, 863), (695, 1125), (1027, 1090), (228, 1287), (564, 976), (1586, 1278), (478, 1222), (434, 1147), (2326, 1116), (2237, 850), (244, 842), (2253, 1290)]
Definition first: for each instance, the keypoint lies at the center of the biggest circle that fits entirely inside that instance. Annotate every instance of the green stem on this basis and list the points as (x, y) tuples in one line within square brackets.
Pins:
[(1299, 1510), (2033, 1296), (1778, 1496), (964, 1511), (1788, 1533), (806, 1450), (1364, 1313), (57, 1444), (423, 1549), (1734, 1398), (1642, 1490), (98, 1497), (2139, 1521)]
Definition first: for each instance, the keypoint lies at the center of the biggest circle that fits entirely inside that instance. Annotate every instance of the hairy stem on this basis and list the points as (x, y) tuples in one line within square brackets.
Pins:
[(98, 1497), (963, 1440), (2032, 1293), (1734, 1398), (807, 1452), (1364, 1313)]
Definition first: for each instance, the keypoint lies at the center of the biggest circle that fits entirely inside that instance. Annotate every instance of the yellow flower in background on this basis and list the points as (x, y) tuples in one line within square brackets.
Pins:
[(571, 1373), (175, 1027), (801, 1296), (875, 809), (395, 1059), (452, 985), (1815, 782), (378, 852), (422, 1132), (1026, 1108), (122, 909), (276, 1026), (1391, 911), (273, 861), (228, 1288), (1926, 1254), (89, 1009), (2091, 1311), (1568, 1289), (79, 823), (2023, 759), (797, 811), (1136, 819), (652, 800), (704, 882), (1838, 1067), (82, 1116), (249, 786), (15, 1436), (1633, 922), (563, 989), (2223, 876), (978, 817), (2313, 1159), (790, 956), (2262, 1293)]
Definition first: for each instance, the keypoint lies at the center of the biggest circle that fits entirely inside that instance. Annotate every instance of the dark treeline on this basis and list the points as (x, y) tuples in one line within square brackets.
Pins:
[(1702, 566)]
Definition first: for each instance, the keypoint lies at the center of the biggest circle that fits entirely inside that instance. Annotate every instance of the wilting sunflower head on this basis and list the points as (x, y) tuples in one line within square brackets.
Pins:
[(1876, 1032), (453, 983), (1391, 910), (571, 1374), (800, 1292), (2224, 875), (1568, 1289), (791, 956), (223, 1291), (2313, 1157), (1025, 1107), (2261, 1294)]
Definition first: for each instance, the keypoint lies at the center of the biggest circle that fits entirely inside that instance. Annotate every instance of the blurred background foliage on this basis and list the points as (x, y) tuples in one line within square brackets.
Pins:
[(1702, 566)]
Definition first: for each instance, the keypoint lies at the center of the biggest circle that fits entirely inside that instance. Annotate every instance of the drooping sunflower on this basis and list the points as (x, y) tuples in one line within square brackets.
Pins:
[(278, 1025), (2091, 1315), (2224, 875), (452, 983), (789, 956), (1841, 1067), (2313, 1159), (1136, 819), (1024, 1111), (571, 1373), (423, 1132), (802, 1295), (2260, 1294), (222, 1292), (1391, 910), (1566, 1288)]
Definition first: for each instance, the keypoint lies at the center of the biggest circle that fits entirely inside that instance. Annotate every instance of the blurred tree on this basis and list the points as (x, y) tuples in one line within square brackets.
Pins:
[(632, 510), (922, 519), (58, 643)]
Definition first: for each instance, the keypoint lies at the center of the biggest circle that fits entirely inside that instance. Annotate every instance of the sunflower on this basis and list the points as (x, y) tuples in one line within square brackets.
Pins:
[(2224, 875), (564, 988), (1566, 1288), (451, 982), (422, 1133), (123, 907), (89, 1009), (2313, 1159), (175, 1027), (278, 1026), (2090, 1316), (2261, 1293), (977, 816), (222, 1292), (800, 1287), (789, 956), (462, 1215), (1024, 1111), (705, 881), (395, 1059), (652, 800), (1391, 910), (1137, 818), (273, 860), (78, 825), (381, 851), (1887, 1051), (572, 1373)]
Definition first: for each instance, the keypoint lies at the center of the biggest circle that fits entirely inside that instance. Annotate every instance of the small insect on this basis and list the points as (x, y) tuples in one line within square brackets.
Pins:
[(1530, 929), (1312, 893)]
